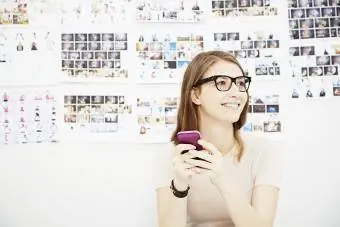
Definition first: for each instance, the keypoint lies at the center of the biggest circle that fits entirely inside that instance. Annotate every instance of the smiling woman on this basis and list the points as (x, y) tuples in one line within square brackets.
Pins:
[(237, 182)]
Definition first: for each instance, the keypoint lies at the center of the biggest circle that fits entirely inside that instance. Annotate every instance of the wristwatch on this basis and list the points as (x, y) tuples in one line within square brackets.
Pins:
[(178, 194)]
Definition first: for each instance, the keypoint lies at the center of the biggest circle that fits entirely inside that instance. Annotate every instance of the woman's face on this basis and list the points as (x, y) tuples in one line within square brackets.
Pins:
[(225, 106)]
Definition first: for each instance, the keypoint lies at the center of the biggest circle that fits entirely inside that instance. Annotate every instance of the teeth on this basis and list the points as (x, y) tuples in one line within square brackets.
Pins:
[(231, 105)]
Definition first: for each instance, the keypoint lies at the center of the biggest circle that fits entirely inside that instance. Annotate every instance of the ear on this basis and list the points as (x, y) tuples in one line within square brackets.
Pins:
[(195, 96)]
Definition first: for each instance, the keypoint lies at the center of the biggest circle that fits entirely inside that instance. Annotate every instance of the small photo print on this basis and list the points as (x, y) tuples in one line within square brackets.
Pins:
[(272, 126), (272, 108)]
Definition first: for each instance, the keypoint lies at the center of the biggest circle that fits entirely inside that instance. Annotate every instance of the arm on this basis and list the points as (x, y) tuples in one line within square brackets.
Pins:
[(172, 211), (261, 211)]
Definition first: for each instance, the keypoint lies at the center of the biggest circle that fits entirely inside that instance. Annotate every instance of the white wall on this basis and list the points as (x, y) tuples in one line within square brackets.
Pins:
[(111, 185)]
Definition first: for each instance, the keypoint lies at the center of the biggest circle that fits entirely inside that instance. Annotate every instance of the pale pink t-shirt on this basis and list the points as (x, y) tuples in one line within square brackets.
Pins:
[(260, 165)]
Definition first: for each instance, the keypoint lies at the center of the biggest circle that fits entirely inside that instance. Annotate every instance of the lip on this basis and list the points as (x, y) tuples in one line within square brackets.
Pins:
[(237, 103)]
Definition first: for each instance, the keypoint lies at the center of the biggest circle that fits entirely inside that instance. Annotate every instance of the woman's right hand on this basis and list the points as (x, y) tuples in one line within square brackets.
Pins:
[(183, 170)]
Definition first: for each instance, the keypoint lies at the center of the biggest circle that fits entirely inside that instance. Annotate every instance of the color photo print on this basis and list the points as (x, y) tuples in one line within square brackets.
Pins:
[(94, 56), (312, 69), (239, 8), (314, 19), (169, 11), (95, 12), (263, 114), (14, 13), (97, 117), (163, 58), (259, 51), (28, 116), (157, 118)]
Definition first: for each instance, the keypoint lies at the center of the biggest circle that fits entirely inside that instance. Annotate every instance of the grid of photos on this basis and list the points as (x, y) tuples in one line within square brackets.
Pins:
[(96, 114), (263, 114), (164, 57), (314, 19), (95, 12), (239, 8), (259, 51), (28, 116), (169, 11), (13, 13), (157, 117), (94, 56), (313, 69)]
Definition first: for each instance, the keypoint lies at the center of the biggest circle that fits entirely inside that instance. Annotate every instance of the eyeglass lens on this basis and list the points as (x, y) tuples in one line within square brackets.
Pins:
[(224, 83)]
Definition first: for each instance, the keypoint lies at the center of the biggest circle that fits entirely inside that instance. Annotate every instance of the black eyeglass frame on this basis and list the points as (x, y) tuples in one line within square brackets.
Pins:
[(215, 77)]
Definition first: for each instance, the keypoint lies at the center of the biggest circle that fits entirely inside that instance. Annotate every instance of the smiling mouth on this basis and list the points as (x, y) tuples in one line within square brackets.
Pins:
[(231, 105)]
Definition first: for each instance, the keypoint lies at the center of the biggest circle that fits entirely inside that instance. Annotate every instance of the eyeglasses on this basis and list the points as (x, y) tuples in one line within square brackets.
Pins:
[(223, 82)]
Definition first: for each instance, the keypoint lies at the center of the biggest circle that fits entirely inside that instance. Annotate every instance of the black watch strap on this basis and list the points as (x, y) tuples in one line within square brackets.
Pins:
[(178, 194)]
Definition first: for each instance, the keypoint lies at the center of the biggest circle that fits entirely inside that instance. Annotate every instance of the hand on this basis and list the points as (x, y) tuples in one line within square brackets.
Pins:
[(214, 160), (183, 169)]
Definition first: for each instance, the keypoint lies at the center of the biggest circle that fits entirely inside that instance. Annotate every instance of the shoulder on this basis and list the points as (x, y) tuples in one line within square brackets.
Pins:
[(256, 145)]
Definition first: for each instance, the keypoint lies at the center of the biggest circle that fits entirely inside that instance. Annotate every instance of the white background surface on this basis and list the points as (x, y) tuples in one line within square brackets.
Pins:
[(81, 184)]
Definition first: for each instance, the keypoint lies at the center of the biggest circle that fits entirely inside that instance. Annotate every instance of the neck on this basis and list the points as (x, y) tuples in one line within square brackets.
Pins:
[(220, 135)]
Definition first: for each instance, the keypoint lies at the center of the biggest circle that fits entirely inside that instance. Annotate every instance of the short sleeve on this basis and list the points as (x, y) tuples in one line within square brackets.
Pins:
[(269, 166), (162, 167)]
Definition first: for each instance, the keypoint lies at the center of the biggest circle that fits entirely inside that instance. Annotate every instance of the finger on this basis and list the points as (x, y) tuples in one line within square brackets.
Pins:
[(199, 163), (201, 154), (183, 147), (208, 146)]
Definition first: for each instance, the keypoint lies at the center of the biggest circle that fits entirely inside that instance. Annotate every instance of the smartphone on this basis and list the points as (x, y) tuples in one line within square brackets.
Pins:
[(190, 137)]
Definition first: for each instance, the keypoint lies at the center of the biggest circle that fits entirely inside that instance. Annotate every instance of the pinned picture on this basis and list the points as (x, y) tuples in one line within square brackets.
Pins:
[(92, 115), (94, 56), (156, 117), (163, 57), (29, 116), (244, 8), (169, 11)]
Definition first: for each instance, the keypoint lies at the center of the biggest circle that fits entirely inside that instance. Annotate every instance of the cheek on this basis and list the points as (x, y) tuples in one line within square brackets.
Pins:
[(245, 98)]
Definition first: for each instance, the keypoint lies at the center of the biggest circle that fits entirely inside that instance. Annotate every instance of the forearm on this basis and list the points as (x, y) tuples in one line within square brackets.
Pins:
[(241, 211), (174, 210)]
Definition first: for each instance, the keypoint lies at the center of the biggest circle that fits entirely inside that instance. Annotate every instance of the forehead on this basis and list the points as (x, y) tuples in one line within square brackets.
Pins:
[(224, 68)]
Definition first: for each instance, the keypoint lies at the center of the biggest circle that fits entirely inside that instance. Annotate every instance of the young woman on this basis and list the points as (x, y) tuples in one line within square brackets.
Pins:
[(239, 182)]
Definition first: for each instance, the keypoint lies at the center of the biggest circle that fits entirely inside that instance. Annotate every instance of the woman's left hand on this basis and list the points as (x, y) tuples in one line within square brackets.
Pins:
[(214, 160)]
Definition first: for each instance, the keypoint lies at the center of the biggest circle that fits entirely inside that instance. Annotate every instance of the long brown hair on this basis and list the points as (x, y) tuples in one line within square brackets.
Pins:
[(187, 115)]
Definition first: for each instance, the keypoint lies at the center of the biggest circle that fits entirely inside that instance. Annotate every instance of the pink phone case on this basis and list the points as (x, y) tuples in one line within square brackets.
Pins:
[(190, 137)]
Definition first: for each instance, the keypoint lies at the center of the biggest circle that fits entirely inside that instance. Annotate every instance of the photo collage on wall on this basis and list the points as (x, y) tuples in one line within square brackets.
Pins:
[(169, 11), (163, 58), (94, 56), (14, 13), (157, 117), (95, 12), (309, 19), (259, 51), (314, 69), (263, 114), (239, 8), (314, 65), (87, 115), (28, 116)]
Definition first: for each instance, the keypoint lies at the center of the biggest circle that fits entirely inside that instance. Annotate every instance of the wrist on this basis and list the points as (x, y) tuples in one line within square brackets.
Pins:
[(179, 193), (181, 184)]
